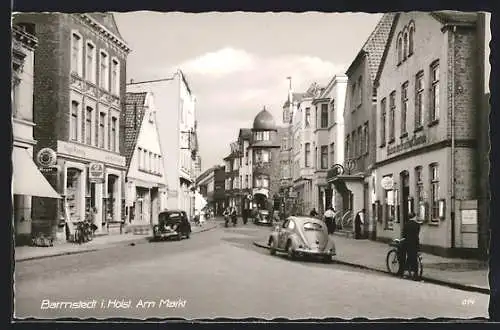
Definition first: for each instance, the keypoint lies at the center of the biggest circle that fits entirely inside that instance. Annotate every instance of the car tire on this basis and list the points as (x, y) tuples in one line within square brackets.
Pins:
[(327, 259), (272, 249), (289, 251)]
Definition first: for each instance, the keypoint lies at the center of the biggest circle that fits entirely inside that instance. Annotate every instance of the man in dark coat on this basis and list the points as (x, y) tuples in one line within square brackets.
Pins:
[(313, 213), (358, 221), (411, 244)]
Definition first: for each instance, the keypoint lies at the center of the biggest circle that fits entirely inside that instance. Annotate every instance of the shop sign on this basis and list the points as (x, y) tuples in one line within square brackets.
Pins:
[(387, 182), (96, 172), (90, 153), (414, 141), (260, 191)]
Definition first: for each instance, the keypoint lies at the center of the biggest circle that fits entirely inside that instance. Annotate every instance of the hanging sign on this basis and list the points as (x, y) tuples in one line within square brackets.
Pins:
[(387, 183), (96, 172)]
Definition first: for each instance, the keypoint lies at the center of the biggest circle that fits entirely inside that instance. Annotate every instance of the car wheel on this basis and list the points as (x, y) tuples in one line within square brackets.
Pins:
[(327, 259), (289, 251), (272, 249)]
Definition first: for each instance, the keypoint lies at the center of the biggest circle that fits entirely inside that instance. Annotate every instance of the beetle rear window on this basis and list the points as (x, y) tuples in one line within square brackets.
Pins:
[(312, 226)]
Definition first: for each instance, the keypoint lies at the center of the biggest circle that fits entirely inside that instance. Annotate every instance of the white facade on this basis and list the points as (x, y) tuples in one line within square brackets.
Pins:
[(176, 121), (145, 189)]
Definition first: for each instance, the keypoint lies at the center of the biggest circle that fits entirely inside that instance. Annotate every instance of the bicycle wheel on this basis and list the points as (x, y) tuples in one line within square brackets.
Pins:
[(392, 262), (420, 270)]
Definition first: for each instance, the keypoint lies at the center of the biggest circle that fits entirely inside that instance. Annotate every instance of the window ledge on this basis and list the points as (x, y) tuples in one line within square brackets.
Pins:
[(382, 145), (418, 129), (410, 54), (391, 141), (433, 123), (399, 63), (404, 135)]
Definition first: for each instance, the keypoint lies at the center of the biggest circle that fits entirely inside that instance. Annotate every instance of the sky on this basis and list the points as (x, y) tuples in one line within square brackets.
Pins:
[(237, 63)]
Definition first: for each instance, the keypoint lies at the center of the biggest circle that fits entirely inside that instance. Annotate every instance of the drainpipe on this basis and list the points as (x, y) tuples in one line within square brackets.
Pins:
[(452, 165)]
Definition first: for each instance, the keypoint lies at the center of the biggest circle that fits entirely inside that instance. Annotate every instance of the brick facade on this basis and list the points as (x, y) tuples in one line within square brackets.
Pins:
[(53, 88), (455, 50)]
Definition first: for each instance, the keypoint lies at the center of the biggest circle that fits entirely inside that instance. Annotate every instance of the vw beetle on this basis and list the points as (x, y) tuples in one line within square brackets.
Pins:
[(301, 237)]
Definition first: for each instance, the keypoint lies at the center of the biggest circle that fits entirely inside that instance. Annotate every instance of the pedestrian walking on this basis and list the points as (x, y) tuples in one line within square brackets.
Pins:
[(359, 220), (330, 220)]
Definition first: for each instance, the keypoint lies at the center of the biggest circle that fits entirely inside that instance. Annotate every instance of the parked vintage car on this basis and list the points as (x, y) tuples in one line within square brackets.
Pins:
[(172, 224), (302, 236), (263, 218)]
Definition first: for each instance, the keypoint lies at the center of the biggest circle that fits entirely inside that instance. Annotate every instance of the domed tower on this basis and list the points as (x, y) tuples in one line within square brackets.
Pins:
[(264, 150)]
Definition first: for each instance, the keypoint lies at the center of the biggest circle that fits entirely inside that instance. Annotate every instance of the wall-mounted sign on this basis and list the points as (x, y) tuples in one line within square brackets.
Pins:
[(81, 151), (414, 141), (46, 157), (96, 172), (387, 182), (469, 217)]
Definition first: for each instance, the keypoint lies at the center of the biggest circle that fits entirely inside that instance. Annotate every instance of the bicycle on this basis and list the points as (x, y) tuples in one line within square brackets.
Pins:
[(394, 264)]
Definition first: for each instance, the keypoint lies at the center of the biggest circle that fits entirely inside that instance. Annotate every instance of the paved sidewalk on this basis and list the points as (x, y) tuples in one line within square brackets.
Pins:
[(459, 273), (23, 253)]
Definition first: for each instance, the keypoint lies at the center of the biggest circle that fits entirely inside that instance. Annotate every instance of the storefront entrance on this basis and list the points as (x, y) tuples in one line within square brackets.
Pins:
[(405, 193)]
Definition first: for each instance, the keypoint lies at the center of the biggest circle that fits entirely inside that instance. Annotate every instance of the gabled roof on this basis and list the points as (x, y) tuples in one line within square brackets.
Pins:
[(452, 16), (108, 21), (134, 113), (444, 17), (329, 87), (375, 45)]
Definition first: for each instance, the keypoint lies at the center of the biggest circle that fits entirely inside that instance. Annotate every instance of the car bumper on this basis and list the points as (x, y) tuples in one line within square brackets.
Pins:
[(166, 234), (314, 252)]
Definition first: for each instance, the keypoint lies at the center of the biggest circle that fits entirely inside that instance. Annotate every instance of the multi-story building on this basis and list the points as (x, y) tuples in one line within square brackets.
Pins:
[(27, 180), (79, 88), (211, 187), (245, 170), (329, 146), (429, 109), (176, 120), (356, 183), (232, 183), (264, 149), (145, 188), (304, 149)]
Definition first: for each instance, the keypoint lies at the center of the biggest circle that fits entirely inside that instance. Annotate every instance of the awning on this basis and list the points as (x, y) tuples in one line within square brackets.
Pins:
[(27, 179)]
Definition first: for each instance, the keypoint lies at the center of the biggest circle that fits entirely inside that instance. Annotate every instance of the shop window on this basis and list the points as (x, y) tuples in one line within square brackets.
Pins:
[(434, 184), (419, 185), (73, 196), (110, 199)]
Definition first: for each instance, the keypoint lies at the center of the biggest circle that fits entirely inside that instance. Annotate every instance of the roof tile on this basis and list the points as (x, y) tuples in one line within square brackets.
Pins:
[(134, 113)]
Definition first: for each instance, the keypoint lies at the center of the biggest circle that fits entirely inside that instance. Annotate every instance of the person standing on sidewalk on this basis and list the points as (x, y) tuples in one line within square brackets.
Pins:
[(359, 220), (330, 220), (411, 244)]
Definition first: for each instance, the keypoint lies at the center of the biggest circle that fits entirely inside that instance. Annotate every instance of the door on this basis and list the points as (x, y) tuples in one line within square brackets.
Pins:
[(405, 192)]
